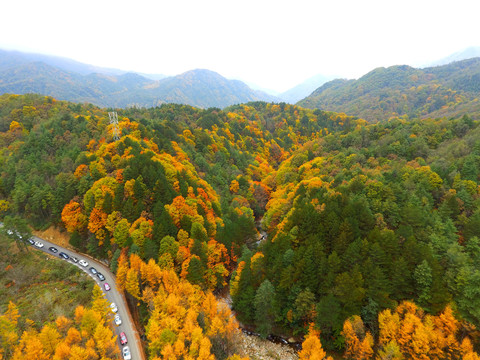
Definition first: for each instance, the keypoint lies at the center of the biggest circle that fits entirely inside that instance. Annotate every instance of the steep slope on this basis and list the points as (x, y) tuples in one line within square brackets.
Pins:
[(402, 90), (38, 77)]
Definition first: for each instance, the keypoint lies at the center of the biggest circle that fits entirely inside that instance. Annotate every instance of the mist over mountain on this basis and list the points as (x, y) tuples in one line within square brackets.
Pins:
[(464, 54), (9, 59), (67, 79), (304, 89)]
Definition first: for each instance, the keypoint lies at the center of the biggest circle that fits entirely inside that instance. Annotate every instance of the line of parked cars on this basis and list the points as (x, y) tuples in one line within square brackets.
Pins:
[(66, 256), (117, 320), (123, 337)]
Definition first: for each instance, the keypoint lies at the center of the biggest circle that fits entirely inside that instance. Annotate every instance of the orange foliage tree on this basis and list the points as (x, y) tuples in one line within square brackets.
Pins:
[(73, 217)]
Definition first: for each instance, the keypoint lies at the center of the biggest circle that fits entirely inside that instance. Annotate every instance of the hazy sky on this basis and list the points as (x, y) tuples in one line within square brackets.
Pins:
[(275, 44)]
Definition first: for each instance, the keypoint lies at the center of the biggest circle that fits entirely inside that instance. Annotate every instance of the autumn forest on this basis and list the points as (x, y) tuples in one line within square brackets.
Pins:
[(359, 239)]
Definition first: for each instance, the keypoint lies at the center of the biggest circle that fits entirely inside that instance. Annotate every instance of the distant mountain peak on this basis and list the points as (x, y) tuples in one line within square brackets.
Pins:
[(468, 53), (304, 89), (67, 79)]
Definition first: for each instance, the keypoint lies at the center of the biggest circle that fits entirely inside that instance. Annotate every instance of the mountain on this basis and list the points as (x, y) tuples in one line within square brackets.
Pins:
[(304, 89), (464, 54), (9, 59), (383, 93), (38, 77), (204, 88), (66, 79)]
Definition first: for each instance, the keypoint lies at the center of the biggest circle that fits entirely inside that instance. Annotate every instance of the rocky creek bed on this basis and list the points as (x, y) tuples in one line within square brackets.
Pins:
[(252, 345), (257, 348)]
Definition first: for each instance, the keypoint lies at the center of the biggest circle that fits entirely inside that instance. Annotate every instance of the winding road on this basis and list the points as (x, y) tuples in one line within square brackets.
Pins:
[(113, 295)]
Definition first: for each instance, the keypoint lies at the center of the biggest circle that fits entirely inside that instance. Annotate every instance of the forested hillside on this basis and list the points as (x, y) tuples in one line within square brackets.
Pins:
[(66, 79), (360, 218), (448, 90)]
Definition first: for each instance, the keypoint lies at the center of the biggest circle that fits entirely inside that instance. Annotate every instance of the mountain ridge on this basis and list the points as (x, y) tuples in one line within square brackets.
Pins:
[(403, 90), (468, 53), (79, 82)]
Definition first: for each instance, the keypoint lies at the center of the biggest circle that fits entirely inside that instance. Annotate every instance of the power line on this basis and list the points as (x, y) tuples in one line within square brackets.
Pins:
[(114, 122)]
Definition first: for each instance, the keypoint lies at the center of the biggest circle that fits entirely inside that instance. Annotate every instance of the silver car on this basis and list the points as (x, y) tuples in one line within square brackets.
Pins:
[(126, 353), (83, 263), (113, 307)]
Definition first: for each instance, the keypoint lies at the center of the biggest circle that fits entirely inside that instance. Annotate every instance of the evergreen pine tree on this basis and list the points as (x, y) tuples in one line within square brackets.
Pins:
[(264, 308)]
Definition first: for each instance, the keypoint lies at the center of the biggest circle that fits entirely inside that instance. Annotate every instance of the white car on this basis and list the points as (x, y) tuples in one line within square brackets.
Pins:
[(126, 353), (113, 307), (38, 244), (83, 263), (117, 320)]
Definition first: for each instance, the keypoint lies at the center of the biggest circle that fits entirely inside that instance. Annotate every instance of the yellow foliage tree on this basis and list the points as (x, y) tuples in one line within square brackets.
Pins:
[(411, 334), (358, 342), (62, 352), (234, 186), (132, 285), (8, 329), (50, 338), (105, 342), (312, 347)]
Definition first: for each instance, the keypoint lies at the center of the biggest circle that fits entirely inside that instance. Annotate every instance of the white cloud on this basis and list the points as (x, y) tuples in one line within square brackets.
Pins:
[(275, 44)]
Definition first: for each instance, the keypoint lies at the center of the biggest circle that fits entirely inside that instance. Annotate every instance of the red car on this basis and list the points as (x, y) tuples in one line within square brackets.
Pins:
[(123, 338), (106, 286)]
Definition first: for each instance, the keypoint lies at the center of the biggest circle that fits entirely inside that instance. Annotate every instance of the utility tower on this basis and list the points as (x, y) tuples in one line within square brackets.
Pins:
[(114, 122)]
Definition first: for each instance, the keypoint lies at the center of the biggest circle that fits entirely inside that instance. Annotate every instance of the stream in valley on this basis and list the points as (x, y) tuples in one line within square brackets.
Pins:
[(254, 346)]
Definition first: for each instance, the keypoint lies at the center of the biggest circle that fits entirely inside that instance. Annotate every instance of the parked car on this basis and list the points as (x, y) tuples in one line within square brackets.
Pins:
[(113, 307), (93, 270), (63, 255), (53, 250), (126, 353), (38, 244), (123, 338), (106, 286), (83, 263), (32, 242), (100, 276), (74, 259), (118, 320)]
